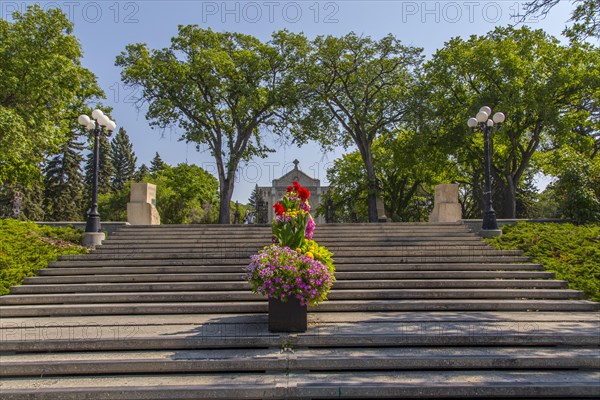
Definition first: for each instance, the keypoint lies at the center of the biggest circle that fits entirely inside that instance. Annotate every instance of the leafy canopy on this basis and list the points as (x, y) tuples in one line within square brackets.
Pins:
[(42, 88)]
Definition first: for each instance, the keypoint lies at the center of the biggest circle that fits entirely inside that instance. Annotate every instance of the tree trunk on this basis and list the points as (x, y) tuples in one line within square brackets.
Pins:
[(225, 201), (510, 199), (373, 189)]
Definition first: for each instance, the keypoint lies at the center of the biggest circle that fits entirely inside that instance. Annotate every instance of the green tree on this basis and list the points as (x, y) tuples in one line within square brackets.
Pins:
[(221, 89), (578, 186), (105, 168), (357, 89), (255, 198), (585, 16), (157, 164), (407, 168), (63, 183), (543, 87), (141, 173), (22, 202), (185, 194), (43, 88), (123, 160)]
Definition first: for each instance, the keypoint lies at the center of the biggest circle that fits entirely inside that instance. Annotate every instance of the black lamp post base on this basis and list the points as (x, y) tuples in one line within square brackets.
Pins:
[(489, 221), (93, 223)]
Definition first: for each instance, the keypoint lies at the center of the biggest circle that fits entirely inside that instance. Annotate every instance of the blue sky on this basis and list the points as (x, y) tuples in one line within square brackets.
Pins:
[(105, 27)]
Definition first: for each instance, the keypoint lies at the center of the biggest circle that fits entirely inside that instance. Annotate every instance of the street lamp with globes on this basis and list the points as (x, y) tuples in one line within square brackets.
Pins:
[(99, 124), (483, 122)]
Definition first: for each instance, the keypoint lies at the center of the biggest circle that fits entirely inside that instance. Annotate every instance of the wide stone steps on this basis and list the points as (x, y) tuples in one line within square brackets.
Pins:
[(236, 306), (218, 269), (376, 275), (340, 359), (417, 310), (245, 295), (309, 385), (241, 285)]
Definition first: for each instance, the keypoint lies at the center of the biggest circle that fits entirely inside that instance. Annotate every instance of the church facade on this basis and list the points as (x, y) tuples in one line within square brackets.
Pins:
[(271, 195)]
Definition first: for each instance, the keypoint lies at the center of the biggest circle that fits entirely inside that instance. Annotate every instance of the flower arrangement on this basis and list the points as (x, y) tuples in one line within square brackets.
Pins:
[(294, 265)]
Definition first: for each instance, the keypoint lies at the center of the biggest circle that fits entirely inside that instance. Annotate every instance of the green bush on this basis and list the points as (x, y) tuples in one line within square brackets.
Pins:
[(26, 247), (573, 252)]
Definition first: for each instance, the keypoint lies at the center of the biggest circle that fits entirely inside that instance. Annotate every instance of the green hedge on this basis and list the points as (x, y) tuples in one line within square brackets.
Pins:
[(573, 252), (26, 247)]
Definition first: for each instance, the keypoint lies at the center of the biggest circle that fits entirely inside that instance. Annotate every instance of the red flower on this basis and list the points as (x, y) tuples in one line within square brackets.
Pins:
[(279, 208), (296, 185), (290, 189), (303, 193)]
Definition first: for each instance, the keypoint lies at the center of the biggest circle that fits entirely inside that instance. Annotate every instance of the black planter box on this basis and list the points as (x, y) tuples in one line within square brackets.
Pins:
[(287, 317)]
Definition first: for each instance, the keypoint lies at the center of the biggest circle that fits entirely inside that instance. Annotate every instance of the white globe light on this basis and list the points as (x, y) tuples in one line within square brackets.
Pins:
[(103, 120), (490, 123), (97, 113), (486, 109), (111, 126), (90, 126), (83, 120), (499, 118), (472, 122), (482, 116)]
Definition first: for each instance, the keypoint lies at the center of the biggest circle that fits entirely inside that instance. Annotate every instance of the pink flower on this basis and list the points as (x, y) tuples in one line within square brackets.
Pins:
[(310, 229)]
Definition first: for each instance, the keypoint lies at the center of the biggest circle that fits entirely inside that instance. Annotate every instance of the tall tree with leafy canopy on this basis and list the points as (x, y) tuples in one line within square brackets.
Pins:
[(63, 183), (123, 160), (157, 164), (406, 165), (357, 89), (221, 89), (105, 168), (43, 88), (543, 87)]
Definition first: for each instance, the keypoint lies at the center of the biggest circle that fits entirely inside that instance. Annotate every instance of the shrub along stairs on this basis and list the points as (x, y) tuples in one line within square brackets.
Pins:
[(417, 311)]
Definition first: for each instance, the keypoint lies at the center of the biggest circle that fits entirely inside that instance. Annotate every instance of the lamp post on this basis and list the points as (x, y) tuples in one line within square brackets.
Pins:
[(98, 125), (483, 122)]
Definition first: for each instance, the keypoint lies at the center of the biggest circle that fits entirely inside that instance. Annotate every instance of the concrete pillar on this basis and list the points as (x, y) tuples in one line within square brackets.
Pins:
[(141, 210), (446, 207), (381, 217)]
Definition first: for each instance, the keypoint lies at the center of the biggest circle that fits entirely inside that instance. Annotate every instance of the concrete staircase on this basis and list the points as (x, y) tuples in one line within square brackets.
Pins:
[(418, 311)]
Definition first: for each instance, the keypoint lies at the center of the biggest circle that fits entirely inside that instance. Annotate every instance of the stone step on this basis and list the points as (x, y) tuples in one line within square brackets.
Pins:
[(479, 248), (190, 277), (340, 273), (339, 285), (325, 237), (219, 229), (341, 268), (330, 306), (244, 261), (270, 360), (308, 385), (246, 295), (236, 254), (360, 257), (352, 329), (258, 243)]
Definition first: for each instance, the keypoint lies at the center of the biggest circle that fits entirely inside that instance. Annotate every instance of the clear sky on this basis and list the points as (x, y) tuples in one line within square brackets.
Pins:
[(105, 27)]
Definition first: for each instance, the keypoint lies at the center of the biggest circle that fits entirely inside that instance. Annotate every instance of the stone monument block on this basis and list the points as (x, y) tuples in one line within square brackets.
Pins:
[(141, 210), (446, 207), (143, 193)]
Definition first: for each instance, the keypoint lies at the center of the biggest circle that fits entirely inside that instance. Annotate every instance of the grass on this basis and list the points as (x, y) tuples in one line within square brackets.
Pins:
[(572, 252), (26, 247)]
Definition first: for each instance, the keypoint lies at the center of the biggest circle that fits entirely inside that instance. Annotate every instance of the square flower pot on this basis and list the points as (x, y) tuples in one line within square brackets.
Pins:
[(287, 317)]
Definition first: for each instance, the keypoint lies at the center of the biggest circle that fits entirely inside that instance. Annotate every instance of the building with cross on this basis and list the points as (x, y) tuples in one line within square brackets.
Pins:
[(271, 195)]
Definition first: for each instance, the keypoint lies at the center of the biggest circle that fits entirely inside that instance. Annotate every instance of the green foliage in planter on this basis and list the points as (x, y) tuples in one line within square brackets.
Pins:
[(573, 252), (26, 247)]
